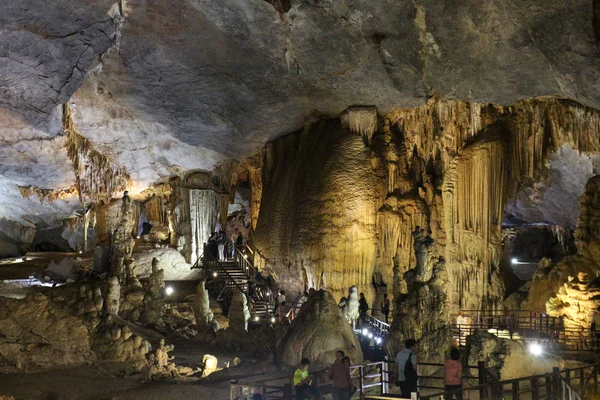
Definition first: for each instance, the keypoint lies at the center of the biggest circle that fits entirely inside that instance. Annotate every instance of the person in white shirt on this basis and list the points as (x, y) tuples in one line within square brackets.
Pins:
[(281, 306)]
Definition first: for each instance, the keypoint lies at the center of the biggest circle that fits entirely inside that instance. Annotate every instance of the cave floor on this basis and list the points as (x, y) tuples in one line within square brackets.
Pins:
[(94, 382), (101, 381)]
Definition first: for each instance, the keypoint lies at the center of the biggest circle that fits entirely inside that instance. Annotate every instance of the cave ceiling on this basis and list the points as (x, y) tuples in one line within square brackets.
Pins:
[(163, 87)]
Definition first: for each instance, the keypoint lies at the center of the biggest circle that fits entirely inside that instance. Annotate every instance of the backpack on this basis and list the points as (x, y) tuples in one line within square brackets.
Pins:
[(410, 372)]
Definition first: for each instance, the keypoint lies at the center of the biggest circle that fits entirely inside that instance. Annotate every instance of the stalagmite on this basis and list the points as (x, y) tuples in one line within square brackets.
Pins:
[(122, 242), (239, 314), (202, 312), (113, 296), (156, 280), (351, 308)]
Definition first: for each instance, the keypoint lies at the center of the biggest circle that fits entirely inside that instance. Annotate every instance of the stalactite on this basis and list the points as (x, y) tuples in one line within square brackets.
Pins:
[(474, 196), (361, 120), (204, 209), (97, 177), (541, 126), (396, 221), (47, 194)]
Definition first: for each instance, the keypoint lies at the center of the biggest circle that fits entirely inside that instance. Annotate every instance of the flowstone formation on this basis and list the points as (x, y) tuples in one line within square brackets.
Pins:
[(317, 332)]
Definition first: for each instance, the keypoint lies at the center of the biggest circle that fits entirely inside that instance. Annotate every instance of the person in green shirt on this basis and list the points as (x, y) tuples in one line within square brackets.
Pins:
[(302, 381)]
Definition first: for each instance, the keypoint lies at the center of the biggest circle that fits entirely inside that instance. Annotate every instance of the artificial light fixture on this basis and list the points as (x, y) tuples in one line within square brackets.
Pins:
[(256, 318), (365, 331), (370, 335), (139, 236), (245, 256), (378, 340), (273, 320), (535, 349), (514, 261), (80, 252), (169, 290), (215, 274)]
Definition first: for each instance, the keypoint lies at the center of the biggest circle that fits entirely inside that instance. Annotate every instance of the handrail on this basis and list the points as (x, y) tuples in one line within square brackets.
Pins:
[(223, 270)]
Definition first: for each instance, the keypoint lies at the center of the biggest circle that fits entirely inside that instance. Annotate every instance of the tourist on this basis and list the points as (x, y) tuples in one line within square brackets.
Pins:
[(239, 238), (339, 375), (302, 381), (299, 303), (221, 242), (281, 306), (213, 246), (405, 369), (363, 308), (385, 307), (453, 376)]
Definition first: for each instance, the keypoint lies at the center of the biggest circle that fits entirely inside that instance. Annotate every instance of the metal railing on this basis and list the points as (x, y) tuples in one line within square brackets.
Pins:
[(577, 383), (568, 384)]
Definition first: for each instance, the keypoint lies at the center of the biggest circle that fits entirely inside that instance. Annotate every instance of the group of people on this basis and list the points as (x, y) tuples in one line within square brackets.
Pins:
[(405, 375), (280, 306), (339, 375), (221, 247), (363, 307)]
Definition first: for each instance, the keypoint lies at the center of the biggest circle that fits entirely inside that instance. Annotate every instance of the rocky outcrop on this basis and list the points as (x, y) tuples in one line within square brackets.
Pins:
[(568, 289), (64, 326), (510, 358), (317, 332)]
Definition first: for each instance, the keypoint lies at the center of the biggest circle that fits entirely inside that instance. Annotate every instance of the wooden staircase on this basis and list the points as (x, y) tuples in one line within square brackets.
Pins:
[(235, 274)]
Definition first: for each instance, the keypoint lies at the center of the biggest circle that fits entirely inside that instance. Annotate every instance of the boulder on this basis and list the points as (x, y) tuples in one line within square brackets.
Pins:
[(317, 332)]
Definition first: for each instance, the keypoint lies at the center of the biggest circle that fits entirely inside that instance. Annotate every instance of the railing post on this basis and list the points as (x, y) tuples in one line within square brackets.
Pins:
[(288, 392), (482, 378), (548, 384), (556, 384), (361, 374), (385, 376), (381, 377), (595, 379), (535, 389), (515, 390), (582, 377)]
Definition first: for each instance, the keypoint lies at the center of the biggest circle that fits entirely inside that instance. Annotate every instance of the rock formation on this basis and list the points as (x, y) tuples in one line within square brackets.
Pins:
[(156, 281), (113, 297), (568, 289), (351, 307), (510, 358), (317, 332), (122, 242), (239, 314), (202, 312)]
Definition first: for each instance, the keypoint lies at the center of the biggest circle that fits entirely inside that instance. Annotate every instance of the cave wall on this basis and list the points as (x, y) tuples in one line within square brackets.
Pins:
[(412, 202), (317, 224)]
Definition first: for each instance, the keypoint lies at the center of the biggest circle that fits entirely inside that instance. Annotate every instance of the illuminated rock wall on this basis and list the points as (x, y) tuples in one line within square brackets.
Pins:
[(318, 216), (341, 205)]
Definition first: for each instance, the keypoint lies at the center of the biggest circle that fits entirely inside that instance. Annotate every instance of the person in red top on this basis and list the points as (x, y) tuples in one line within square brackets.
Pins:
[(453, 376), (339, 374)]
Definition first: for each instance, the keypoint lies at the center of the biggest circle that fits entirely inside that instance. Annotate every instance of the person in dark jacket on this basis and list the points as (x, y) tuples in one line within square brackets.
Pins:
[(363, 307)]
